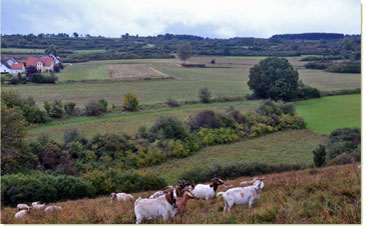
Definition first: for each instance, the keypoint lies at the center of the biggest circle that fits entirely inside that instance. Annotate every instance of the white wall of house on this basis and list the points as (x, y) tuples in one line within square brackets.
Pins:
[(4, 68), (12, 71)]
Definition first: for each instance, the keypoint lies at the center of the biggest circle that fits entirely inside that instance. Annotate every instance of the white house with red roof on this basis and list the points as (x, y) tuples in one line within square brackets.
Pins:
[(42, 63)]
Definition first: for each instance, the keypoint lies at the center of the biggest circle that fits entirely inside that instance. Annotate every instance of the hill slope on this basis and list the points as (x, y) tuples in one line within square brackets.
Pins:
[(308, 196)]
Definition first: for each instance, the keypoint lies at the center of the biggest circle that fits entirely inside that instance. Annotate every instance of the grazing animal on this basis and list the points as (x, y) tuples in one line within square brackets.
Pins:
[(36, 203), (38, 206), (121, 197), (242, 195), (22, 213), (206, 191), (156, 194), (53, 208), (23, 206), (182, 202), (163, 206)]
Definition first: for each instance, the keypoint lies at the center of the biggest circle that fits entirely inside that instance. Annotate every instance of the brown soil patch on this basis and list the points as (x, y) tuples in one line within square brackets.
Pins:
[(135, 72)]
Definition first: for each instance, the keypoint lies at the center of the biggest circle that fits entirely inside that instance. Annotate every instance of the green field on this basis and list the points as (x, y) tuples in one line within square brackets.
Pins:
[(325, 114), (22, 50), (89, 51), (288, 147), (264, 57)]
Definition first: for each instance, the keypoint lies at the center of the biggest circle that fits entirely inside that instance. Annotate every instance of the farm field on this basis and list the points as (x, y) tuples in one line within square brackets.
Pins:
[(135, 72), (184, 86), (298, 197), (328, 113), (22, 50), (287, 147), (129, 122)]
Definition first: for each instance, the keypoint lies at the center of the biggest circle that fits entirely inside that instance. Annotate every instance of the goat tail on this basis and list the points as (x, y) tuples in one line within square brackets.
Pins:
[(220, 193), (138, 199)]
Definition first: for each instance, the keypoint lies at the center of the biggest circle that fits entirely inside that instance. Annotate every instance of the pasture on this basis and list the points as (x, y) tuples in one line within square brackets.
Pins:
[(86, 51), (298, 197), (325, 114), (91, 80), (287, 147)]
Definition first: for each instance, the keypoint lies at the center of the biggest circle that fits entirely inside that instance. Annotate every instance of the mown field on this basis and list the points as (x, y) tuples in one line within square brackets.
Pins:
[(118, 122), (185, 85), (287, 147), (299, 197), (325, 114)]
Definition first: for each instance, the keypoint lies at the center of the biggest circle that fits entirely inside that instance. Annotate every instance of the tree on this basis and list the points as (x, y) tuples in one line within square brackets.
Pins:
[(204, 95), (274, 78), (184, 51), (51, 50), (319, 156), (75, 34)]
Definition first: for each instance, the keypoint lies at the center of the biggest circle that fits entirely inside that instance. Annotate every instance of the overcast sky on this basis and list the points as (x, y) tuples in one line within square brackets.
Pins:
[(215, 18)]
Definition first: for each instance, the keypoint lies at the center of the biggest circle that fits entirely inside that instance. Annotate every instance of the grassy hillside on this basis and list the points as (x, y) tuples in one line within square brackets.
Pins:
[(299, 197), (288, 147), (325, 114)]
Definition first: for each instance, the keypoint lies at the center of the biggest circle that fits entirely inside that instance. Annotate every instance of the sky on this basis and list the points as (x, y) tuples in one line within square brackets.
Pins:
[(214, 19)]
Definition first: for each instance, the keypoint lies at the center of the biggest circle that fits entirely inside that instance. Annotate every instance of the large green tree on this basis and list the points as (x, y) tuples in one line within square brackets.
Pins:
[(184, 51), (274, 78)]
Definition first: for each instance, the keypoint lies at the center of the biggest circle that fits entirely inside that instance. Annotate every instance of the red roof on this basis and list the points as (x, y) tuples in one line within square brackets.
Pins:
[(16, 66), (32, 61)]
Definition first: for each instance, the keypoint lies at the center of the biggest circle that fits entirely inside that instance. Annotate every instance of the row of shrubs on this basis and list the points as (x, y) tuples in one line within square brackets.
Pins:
[(35, 78), (344, 67), (46, 187)]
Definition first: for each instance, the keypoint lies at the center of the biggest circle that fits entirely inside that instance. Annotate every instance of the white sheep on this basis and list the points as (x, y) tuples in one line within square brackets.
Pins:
[(52, 208), (121, 197), (38, 206), (163, 206), (242, 195), (157, 194), (206, 191), (22, 213), (22, 206)]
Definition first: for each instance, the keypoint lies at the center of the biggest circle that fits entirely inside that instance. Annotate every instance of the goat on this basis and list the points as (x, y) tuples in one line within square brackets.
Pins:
[(121, 197), (181, 185), (156, 194), (182, 202), (242, 195), (36, 203), (22, 206), (22, 213), (53, 208), (38, 206), (205, 191), (163, 206)]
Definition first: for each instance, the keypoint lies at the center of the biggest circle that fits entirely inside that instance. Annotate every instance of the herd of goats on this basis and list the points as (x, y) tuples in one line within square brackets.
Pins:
[(172, 201)]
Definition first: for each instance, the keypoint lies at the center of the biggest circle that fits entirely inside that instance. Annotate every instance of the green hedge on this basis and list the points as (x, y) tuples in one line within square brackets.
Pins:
[(37, 186)]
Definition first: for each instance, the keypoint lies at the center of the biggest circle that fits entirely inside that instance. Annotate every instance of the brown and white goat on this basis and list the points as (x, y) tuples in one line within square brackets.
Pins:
[(206, 191), (182, 201)]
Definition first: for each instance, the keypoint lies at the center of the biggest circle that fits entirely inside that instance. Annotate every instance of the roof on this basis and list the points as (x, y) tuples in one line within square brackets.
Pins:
[(5, 63), (32, 61), (17, 66)]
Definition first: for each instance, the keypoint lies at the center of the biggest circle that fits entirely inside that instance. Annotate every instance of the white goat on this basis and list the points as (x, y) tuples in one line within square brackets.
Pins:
[(157, 194), (206, 191), (23, 206), (242, 195), (36, 203), (38, 206), (53, 208), (22, 213), (121, 197), (163, 206)]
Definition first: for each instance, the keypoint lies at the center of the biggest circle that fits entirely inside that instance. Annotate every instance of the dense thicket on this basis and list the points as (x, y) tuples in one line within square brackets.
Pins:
[(309, 36)]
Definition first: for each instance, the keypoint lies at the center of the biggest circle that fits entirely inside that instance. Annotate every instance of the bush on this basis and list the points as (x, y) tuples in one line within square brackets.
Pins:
[(113, 180), (343, 140), (104, 105), (33, 114), (210, 119), (95, 108), (317, 65), (130, 102), (168, 127), (172, 103), (345, 67), (57, 109), (40, 78), (71, 135), (268, 107), (47, 188), (319, 156), (69, 108), (204, 95), (307, 92)]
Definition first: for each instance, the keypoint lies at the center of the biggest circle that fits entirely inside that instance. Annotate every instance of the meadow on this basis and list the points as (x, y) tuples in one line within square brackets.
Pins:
[(311, 196), (85, 51), (82, 82), (325, 114)]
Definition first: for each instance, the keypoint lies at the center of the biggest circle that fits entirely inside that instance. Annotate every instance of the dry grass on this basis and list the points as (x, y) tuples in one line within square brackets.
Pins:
[(135, 72), (328, 195)]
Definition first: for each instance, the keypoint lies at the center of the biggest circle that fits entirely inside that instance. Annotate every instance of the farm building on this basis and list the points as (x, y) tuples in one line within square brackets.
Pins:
[(7, 63), (42, 63)]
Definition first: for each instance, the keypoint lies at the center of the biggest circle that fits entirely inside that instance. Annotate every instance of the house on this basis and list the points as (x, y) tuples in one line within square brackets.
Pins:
[(7, 63), (17, 68), (42, 63)]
